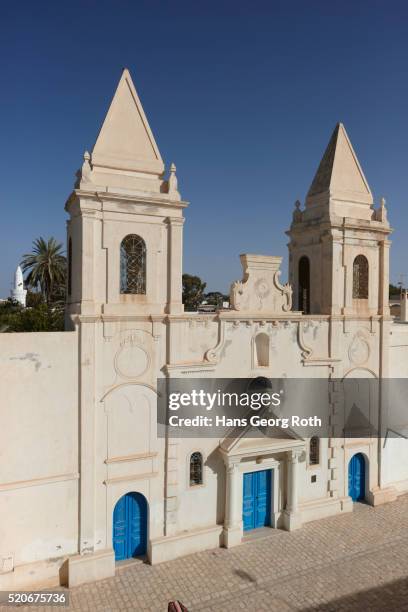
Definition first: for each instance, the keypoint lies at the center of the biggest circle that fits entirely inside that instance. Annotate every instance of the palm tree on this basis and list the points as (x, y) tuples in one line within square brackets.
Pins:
[(46, 267)]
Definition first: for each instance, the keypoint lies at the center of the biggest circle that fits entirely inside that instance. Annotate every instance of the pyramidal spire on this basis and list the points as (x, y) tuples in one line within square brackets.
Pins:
[(339, 175), (125, 141)]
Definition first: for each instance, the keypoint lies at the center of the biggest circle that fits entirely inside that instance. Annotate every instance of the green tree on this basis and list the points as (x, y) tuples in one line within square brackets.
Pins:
[(40, 317), (394, 290), (193, 292), (34, 298), (46, 267), (216, 298)]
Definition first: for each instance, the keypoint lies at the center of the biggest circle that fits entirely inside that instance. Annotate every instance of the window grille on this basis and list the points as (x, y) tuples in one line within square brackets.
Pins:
[(314, 451), (133, 265), (360, 278), (196, 469)]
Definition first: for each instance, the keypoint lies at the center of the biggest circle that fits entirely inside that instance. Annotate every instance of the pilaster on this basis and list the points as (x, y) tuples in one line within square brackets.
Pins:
[(87, 437), (232, 533), (175, 242), (292, 516)]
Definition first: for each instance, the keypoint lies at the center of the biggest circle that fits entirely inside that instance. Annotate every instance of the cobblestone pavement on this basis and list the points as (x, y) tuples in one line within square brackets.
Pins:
[(355, 561)]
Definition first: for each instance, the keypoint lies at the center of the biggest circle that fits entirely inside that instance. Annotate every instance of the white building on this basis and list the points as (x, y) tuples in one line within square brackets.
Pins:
[(18, 293), (84, 475)]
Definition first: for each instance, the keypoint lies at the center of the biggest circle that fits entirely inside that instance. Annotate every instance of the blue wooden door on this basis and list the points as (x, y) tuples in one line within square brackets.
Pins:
[(130, 526), (137, 525), (356, 477), (256, 499), (248, 502), (119, 529)]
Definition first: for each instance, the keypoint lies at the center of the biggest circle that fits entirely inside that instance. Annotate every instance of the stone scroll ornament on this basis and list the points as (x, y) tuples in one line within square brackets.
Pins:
[(260, 289)]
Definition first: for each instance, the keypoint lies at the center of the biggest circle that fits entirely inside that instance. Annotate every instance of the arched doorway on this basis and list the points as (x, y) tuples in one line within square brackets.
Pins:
[(304, 285), (130, 526), (356, 477)]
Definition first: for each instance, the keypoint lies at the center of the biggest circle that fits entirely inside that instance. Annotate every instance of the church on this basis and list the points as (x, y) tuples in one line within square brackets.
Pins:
[(86, 481)]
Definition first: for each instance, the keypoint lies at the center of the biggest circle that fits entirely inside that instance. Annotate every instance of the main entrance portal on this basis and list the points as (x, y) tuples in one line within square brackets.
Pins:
[(256, 507)]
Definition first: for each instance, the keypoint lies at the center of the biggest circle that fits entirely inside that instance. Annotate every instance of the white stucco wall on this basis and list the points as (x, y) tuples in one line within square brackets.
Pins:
[(38, 445)]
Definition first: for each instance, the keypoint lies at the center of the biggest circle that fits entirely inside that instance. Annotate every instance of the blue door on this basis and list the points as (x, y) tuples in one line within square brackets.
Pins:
[(256, 503), (130, 526), (356, 477)]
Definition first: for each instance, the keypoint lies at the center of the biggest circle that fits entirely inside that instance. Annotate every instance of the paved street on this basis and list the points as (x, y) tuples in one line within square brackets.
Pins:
[(352, 562)]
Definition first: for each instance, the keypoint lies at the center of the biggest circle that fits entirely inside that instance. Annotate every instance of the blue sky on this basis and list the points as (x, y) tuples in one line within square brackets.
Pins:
[(242, 96)]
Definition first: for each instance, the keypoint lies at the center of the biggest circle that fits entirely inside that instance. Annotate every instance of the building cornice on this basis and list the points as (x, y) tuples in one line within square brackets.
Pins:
[(110, 196)]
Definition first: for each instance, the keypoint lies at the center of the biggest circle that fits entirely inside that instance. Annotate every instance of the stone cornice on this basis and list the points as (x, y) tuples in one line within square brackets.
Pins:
[(106, 196), (228, 317), (103, 318), (340, 224)]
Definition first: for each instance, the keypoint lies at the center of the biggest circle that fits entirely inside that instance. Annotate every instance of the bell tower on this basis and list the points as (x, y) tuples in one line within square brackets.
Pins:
[(126, 220), (339, 248), (124, 290)]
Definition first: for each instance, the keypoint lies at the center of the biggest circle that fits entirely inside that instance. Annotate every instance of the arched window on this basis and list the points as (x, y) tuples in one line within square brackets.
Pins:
[(360, 278), (69, 266), (133, 265), (314, 451), (259, 385), (196, 469), (304, 285), (262, 350)]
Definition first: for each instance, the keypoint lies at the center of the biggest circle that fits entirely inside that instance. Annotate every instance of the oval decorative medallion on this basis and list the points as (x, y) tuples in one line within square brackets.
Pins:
[(131, 361), (262, 288), (359, 350)]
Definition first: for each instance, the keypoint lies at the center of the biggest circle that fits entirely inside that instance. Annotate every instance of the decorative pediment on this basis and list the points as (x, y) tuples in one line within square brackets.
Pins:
[(251, 441), (260, 289)]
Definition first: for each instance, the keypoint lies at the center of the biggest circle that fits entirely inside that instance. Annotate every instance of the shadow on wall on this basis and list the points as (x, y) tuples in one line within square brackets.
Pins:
[(216, 465)]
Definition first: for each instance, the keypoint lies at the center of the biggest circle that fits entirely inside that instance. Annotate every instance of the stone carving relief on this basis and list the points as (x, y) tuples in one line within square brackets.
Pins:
[(131, 359), (212, 355), (359, 349), (260, 289), (201, 337), (306, 350)]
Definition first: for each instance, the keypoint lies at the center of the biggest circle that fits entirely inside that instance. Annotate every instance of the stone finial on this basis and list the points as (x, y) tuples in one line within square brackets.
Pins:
[(404, 306), (173, 183), (86, 168), (297, 213), (381, 213)]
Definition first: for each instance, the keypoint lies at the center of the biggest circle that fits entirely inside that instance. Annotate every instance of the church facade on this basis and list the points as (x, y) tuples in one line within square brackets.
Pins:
[(87, 482)]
